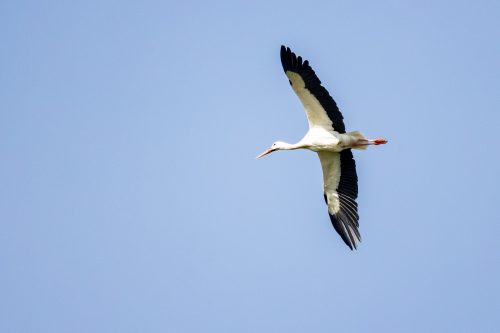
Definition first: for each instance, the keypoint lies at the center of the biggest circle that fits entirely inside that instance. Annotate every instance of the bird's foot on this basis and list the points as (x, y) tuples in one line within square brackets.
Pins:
[(378, 141)]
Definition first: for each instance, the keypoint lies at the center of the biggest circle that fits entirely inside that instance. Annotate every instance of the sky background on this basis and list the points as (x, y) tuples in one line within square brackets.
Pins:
[(131, 200)]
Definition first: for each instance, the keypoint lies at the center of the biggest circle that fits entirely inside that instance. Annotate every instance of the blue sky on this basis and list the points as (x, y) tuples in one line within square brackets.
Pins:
[(130, 199)]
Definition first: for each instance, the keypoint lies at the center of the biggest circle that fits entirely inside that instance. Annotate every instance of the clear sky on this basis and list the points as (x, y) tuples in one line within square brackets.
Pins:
[(131, 200)]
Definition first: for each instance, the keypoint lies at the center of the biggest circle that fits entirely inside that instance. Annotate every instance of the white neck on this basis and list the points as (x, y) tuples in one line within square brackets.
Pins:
[(291, 146)]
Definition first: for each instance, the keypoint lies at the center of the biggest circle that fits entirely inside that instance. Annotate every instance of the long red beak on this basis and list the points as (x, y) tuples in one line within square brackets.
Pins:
[(270, 150)]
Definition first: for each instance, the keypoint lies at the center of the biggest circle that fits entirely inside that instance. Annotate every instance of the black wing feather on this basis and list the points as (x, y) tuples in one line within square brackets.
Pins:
[(294, 64), (346, 219)]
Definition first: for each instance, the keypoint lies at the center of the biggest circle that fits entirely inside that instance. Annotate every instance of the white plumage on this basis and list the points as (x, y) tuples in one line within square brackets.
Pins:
[(328, 138)]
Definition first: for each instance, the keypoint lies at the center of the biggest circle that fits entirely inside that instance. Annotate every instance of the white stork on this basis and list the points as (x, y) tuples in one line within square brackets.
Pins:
[(327, 137)]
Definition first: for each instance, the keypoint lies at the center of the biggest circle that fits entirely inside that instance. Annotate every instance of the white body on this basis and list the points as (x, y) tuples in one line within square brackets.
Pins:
[(328, 138), (320, 139)]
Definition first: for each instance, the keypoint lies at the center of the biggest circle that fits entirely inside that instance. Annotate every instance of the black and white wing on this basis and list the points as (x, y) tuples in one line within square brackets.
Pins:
[(340, 186), (340, 181), (321, 109)]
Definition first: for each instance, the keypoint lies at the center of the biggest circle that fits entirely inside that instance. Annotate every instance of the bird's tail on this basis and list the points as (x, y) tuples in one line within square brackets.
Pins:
[(357, 136)]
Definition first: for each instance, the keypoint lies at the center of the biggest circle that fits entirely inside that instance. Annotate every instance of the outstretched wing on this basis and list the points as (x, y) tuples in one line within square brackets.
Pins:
[(321, 109), (340, 186)]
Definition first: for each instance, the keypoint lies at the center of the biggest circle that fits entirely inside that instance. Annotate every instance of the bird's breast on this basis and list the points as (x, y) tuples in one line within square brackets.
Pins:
[(320, 140)]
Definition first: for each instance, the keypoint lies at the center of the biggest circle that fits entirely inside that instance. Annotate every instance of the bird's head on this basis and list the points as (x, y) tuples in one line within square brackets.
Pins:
[(278, 145)]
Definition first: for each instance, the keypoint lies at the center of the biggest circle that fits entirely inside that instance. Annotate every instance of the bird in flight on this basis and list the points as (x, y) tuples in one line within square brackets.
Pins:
[(328, 138)]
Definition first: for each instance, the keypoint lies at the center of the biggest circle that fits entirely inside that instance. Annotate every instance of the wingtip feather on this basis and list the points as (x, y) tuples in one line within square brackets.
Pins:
[(346, 230)]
